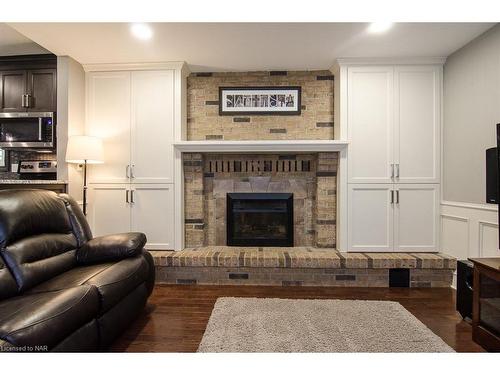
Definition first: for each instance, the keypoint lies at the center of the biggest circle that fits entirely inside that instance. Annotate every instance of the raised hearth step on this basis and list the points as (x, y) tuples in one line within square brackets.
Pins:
[(298, 257)]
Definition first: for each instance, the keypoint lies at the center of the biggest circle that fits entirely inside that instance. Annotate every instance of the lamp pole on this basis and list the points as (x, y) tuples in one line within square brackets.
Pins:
[(85, 187)]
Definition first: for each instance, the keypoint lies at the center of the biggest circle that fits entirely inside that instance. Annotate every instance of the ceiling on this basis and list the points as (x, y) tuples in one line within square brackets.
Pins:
[(14, 43), (249, 46)]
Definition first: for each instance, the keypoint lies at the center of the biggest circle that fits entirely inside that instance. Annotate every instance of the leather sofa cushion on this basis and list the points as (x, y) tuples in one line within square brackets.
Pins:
[(35, 259), (8, 286), (24, 213), (47, 318), (81, 228), (111, 247), (112, 280), (85, 339)]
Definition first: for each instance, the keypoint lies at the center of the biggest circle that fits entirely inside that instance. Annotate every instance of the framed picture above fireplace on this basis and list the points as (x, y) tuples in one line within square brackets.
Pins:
[(278, 100)]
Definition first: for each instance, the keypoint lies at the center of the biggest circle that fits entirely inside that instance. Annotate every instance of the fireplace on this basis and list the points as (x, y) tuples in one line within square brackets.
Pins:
[(259, 219)]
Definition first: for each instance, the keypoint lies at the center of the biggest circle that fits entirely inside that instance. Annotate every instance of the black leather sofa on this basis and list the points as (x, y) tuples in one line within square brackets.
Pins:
[(61, 289)]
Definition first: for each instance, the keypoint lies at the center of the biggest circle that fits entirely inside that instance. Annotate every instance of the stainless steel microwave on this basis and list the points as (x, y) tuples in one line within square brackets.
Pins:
[(27, 129)]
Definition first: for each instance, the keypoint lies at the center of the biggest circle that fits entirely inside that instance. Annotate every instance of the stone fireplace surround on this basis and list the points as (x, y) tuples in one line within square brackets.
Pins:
[(311, 177)]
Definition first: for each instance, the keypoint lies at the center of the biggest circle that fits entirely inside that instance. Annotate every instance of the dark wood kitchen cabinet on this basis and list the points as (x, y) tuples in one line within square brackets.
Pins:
[(12, 89), (42, 90), (28, 83)]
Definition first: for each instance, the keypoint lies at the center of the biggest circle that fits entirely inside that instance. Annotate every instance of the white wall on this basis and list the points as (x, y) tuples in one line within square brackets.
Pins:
[(469, 226), (471, 110), (70, 118)]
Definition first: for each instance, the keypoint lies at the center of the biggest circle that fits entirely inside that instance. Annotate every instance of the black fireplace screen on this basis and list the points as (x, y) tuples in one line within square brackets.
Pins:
[(260, 219)]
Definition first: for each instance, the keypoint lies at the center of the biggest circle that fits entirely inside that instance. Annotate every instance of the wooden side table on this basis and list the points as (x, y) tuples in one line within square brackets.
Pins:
[(486, 303)]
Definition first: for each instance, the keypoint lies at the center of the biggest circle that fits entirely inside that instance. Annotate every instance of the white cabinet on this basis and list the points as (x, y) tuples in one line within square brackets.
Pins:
[(108, 210), (393, 116), (108, 117), (416, 217), (152, 127), (371, 217), (152, 213), (147, 208), (393, 217), (133, 190), (417, 134), (370, 119), (133, 112), (393, 124)]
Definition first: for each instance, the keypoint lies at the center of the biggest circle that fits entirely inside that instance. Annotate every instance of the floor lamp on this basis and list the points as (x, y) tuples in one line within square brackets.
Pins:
[(83, 149)]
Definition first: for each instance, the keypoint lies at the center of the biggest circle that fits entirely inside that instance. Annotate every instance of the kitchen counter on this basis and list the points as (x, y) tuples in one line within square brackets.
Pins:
[(33, 182), (58, 186)]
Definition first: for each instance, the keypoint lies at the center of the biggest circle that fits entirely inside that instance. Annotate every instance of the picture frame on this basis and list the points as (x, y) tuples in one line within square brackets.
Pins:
[(260, 100)]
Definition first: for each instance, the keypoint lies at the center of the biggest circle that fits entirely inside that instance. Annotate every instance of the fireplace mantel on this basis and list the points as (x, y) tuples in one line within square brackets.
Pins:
[(262, 146)]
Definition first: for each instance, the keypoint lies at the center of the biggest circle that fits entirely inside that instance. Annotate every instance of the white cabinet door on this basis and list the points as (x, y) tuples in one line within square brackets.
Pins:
[(108, 211), (370, 212), (417, 117), (153, 214), (108, 117), (416, 217), (152, 126), (370, 124)]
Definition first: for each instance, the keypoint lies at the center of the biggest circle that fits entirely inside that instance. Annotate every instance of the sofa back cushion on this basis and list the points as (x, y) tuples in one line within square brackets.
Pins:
[(25, 213), (36, 238), (8, 287)]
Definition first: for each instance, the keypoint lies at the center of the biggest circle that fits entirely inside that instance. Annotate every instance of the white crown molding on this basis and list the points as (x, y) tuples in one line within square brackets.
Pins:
[(389, 61), (474, 206), (108, 67), (262, 146)]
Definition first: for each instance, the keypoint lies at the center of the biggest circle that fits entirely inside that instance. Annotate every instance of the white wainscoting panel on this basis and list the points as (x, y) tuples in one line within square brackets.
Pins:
[(455, 235), (469, 230)]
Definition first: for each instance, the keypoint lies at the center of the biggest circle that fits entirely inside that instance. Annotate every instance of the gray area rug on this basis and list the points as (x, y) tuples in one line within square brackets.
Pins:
[(297, 325)]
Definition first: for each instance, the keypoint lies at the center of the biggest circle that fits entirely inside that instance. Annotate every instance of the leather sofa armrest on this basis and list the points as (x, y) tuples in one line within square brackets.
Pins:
[(111, 248)]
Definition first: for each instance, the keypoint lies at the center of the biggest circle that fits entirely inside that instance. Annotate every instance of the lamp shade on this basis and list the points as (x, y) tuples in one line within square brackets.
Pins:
[(84, 147)]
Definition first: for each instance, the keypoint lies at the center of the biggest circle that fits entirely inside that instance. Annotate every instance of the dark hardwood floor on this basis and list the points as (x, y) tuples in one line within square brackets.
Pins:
[(176, 315)]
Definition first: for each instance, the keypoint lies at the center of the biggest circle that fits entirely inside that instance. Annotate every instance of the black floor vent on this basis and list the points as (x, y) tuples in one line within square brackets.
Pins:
[(399, 277)]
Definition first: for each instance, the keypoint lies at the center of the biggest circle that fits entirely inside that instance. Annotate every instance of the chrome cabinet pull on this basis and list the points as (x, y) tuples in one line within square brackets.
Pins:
[(132, 196), (397, 170), (397, 196), (127, 169), (126, 196), (132, 171), (392, 196), (28, 100), (392, 170), (24, 101)]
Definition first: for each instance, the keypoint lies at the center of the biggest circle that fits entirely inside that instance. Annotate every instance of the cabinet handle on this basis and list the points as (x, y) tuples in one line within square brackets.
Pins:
[(28, 100), (392, 170), (397, 170), (24, 101), (392, 196), (127, 169), (132, 196), (132, 171), (126, 196), (397, 196)]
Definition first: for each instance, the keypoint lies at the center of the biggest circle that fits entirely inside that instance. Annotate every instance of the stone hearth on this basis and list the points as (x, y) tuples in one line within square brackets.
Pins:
[(300, 266), (310, 177)]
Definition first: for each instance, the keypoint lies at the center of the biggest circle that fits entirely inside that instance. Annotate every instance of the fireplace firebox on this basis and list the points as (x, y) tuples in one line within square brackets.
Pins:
[(259, 219)]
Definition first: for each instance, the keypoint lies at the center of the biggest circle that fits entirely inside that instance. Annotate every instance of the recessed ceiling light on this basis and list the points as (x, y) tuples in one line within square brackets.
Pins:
[(379, 27), (141, 31)]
